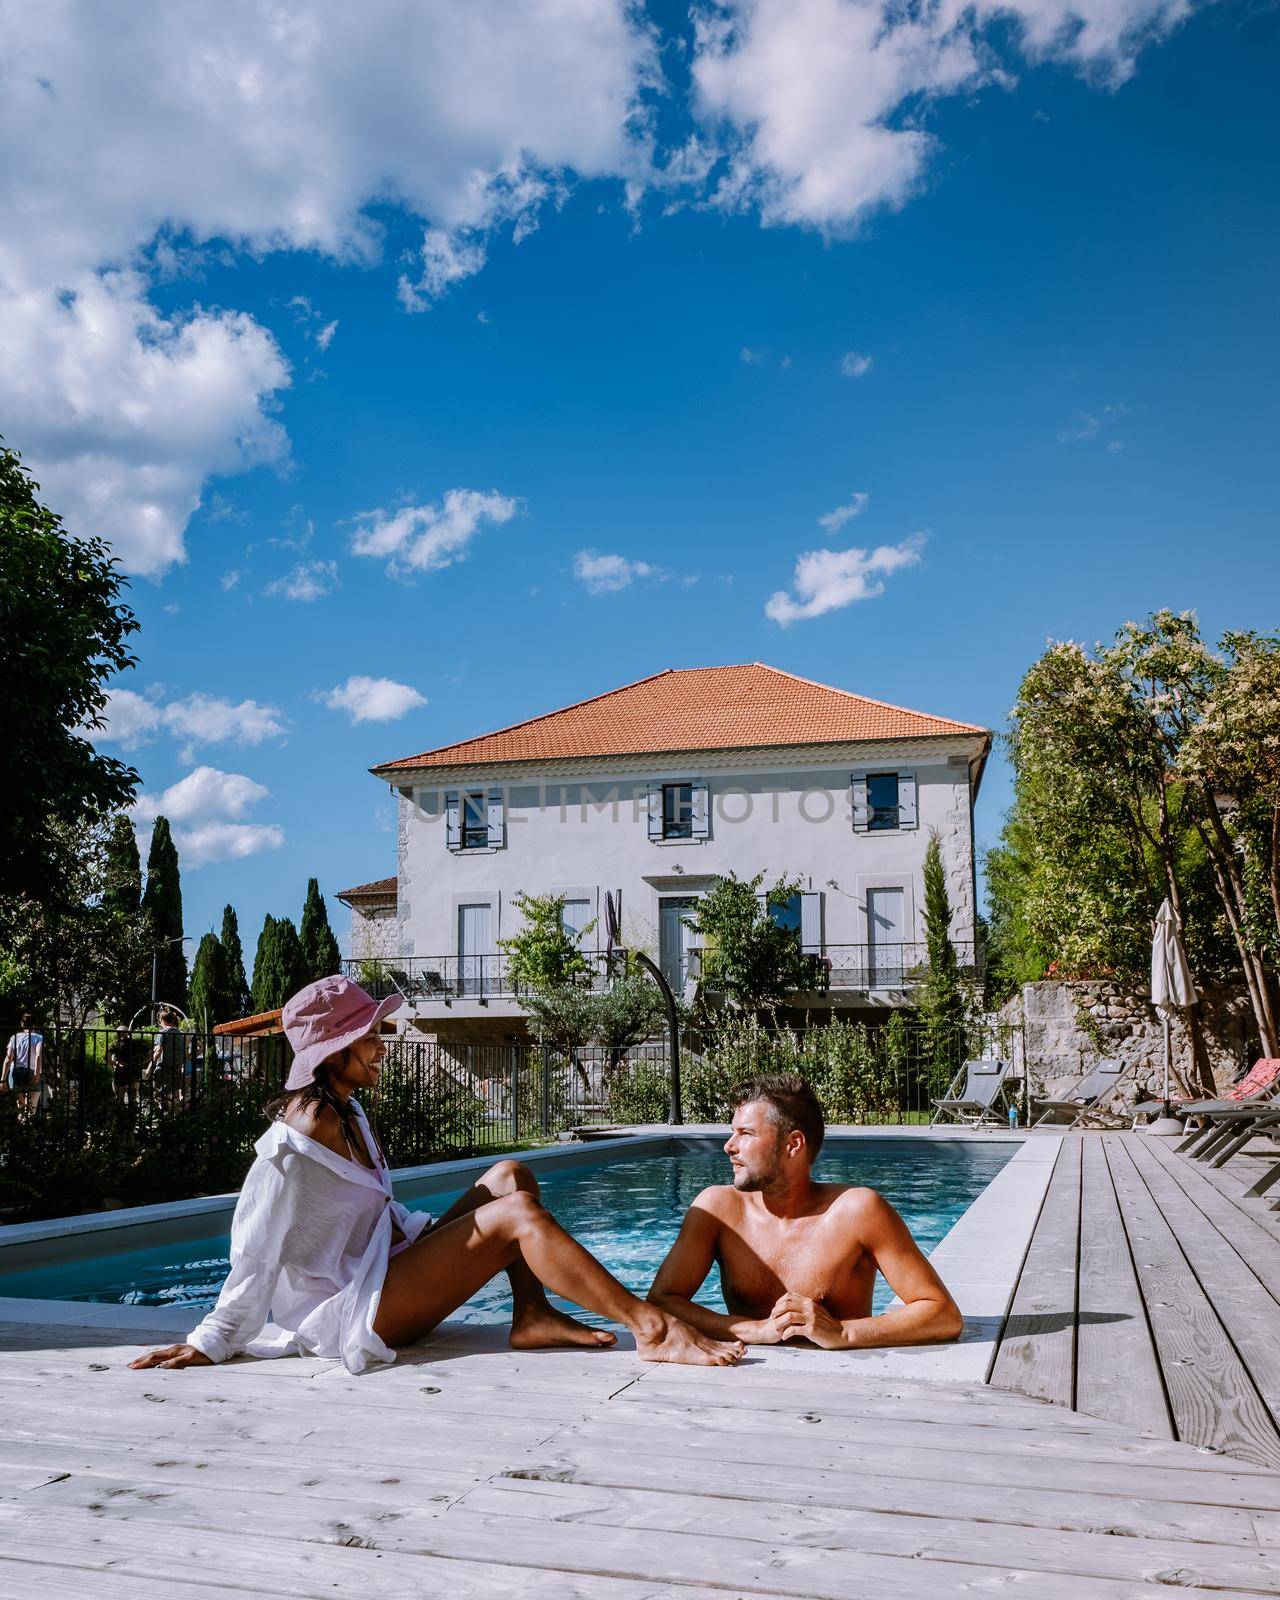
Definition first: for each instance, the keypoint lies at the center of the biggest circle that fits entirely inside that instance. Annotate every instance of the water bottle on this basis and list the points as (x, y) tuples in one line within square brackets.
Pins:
[(1013, 1117)]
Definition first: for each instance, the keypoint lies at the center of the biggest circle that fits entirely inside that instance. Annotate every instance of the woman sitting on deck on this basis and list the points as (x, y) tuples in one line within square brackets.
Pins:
[(320, 1245)]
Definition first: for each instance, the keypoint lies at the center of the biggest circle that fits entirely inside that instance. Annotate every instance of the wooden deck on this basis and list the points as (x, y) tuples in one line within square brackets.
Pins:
[(470, 1471), (1143, 1327), (1150, 1296)]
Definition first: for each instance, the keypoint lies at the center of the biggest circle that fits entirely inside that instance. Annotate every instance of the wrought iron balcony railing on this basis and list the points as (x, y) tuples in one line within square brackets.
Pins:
[(837, 969)]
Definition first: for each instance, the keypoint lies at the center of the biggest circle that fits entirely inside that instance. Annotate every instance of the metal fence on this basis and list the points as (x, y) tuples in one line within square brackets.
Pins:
[(135, 1118)]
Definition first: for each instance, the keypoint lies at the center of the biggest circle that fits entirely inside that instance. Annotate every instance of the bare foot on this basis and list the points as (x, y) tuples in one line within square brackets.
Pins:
[(677, 1341), (542, 1327)]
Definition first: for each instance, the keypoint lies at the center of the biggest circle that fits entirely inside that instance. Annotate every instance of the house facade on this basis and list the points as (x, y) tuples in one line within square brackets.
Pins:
[(647, 794)]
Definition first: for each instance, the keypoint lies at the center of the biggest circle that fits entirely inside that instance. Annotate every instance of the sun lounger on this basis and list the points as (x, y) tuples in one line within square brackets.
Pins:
[(1095, 1084), (1258, 1087), (983, 1085), (1269, 1128)]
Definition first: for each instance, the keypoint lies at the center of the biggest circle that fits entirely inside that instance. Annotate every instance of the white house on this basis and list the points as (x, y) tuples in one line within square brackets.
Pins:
[(646, 794)]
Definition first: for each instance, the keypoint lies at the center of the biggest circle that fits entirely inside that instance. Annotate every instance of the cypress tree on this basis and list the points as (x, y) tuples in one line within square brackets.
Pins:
[(265, 982), (233, 951), (211, 1000), (163, 903), (293, 973), (320, 954), (941, 998), (122, 870)]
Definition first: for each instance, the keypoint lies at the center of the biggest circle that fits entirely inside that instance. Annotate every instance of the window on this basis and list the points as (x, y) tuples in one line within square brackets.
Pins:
[(677, 811), (574, 917), (787, 915), (475, 820), (882, 797)]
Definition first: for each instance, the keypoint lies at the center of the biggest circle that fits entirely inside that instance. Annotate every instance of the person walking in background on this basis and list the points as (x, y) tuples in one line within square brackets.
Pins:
[(167, 1071), (126, 1076), (24, 1065)]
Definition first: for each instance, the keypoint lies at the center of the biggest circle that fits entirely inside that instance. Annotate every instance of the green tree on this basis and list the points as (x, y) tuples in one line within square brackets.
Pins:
[(229, 938), (210, 984), (122, 900), (320, 954), (544, 956), (162, 902), (629, 1011), (64, 632), (941, 999), (277, 966), (747, 953)]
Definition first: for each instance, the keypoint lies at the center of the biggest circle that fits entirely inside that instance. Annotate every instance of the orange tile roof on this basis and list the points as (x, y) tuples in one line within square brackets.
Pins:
[(694, 708), (380, 889)]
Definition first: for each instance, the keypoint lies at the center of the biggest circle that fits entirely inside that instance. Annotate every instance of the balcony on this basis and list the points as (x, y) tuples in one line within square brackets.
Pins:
[(840, 970)]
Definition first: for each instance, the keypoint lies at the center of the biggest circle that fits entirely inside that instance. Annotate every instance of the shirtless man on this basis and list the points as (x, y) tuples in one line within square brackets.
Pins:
[(798, 1259)]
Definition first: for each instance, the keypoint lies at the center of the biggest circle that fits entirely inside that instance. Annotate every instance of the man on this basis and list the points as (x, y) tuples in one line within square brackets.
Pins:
[(168, 1069), (24, 1064), (798, 1259)]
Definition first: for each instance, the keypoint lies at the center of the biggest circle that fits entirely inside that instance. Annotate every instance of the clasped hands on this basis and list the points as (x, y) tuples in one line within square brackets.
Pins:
[(794, 1316)]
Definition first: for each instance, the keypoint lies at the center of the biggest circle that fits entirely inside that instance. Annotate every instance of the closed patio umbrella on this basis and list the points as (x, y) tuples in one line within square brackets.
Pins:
[(1171, 990)]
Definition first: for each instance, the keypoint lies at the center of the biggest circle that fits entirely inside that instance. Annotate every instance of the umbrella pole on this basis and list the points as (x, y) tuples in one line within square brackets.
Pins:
[(1167, 1125)]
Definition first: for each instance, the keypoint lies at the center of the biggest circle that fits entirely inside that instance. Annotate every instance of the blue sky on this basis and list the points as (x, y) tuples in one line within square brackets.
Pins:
[(1014, 313)]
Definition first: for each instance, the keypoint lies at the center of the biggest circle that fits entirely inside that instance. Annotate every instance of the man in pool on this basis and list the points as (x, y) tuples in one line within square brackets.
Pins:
[(798, 1259)]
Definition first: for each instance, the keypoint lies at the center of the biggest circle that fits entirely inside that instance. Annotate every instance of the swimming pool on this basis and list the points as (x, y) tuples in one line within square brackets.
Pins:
[(626, 1211)]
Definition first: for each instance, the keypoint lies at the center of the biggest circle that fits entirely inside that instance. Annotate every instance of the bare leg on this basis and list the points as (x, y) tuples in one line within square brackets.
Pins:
[(438, 1272), (535, 1324)]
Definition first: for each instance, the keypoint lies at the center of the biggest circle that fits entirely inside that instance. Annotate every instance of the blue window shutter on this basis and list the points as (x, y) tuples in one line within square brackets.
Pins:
[(861, 804), (907, 800), (452, 822), (495, 819), (700, 805), (811, 921), (655, 811)]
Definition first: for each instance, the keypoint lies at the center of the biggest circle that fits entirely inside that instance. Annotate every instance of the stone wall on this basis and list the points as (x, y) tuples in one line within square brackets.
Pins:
[(1069, 1025)]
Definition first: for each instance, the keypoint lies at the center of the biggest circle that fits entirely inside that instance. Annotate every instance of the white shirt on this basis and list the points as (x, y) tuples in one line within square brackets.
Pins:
[(309, 1246)]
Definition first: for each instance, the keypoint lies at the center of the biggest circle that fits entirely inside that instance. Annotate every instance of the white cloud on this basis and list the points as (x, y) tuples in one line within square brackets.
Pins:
[(606, 574), (225, 841), (373, 699), (834, 520), (1089, 424), (132, 720), (853, 364), (427, 538), (829, 580), (140, 139), (324, 337), (309, 580), (446, 260), (204, 809), (204, 794), (750, 357), (818, 100), (228, 580)]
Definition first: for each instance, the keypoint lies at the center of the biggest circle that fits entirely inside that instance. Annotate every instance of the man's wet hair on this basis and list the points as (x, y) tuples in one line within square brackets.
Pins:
[(792, 1104)]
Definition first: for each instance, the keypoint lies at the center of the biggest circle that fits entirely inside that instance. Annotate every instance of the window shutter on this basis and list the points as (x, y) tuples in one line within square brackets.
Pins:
[(811, 921), (906, 800), (655, 811), (452, 820), (861, 804), (495, 819), (700, 798)]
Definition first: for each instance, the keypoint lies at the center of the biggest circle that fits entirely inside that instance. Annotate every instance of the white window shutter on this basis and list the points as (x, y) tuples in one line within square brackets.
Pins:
[(655, 811), (495, 819), (861, 804), (700, 804), (907, 800), (452, 820), (811, 921)]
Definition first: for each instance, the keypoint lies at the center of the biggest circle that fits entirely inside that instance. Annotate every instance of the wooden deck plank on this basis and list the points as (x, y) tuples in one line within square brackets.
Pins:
[(1117, 1374), (1251, 1241), (1037, 1348), (1246, 1309), (1211, 1396), (563, 1558)]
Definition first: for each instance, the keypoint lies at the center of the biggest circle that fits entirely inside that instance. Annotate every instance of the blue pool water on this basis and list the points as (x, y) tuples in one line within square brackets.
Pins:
[(626, 1212)]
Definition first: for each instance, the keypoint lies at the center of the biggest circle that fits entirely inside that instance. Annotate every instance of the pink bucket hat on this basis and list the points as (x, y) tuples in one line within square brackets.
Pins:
[(326, 1017)]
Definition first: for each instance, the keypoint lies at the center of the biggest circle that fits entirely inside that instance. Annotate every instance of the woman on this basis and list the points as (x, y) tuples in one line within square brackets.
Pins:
[(320, 1245)]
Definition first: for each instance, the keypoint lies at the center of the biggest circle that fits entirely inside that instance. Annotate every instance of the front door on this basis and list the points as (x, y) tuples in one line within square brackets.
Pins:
[(473, 948), (887, 932), (674, 940)]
